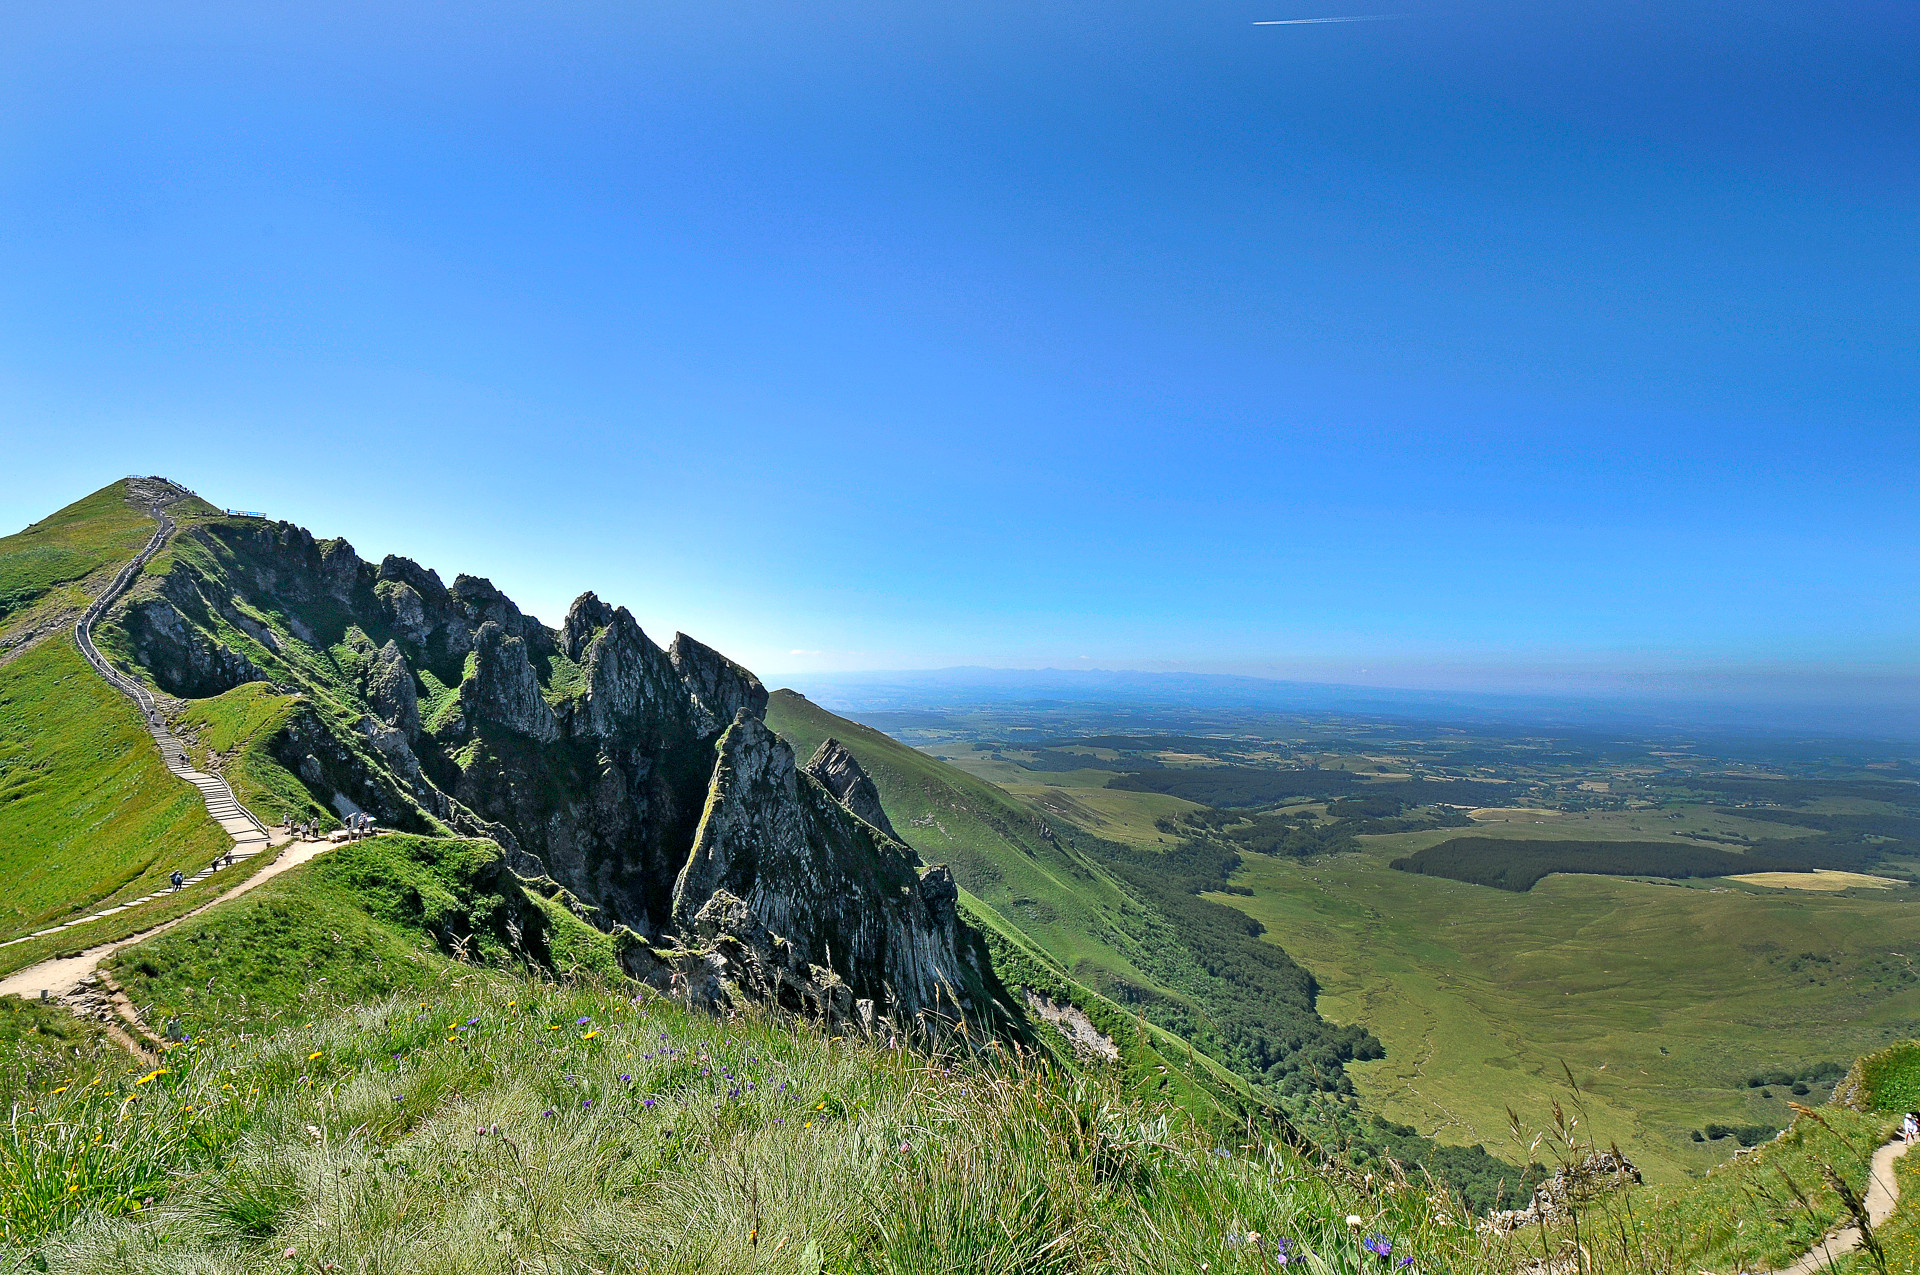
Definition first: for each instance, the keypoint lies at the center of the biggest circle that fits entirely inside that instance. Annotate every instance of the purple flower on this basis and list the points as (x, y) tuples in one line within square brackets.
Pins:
[(646, 1102), (473, 1020), (581, 1022), (1378, 1245), (548, 1113), (1406, 1261), (586, 1102), (625, 1079)]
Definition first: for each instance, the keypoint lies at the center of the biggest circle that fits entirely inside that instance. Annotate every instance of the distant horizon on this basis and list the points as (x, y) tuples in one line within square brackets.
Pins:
[(1883, 718)]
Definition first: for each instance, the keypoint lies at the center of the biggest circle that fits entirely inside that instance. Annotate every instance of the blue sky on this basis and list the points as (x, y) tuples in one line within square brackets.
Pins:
[(1491, 343)]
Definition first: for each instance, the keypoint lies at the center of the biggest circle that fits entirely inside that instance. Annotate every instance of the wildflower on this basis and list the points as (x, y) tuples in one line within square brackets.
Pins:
[(291, 1253), (586, 1102), (548, 1113), (625, 1079), (1353, 1220), (590, 1035), (1378, 1245), (473, 1020), (399, 1097), (646, 1102), (315, 1054), (152, 1075), (582, 1021), (905, 1147)]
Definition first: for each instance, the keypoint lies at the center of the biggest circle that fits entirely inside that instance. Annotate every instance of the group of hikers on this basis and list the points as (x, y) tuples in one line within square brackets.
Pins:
[(358, 824), (178, 879)]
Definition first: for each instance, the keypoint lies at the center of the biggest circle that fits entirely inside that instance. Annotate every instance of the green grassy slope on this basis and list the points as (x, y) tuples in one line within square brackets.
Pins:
[(50, 562), (376, 1103), (88, 814), (1050, 916)]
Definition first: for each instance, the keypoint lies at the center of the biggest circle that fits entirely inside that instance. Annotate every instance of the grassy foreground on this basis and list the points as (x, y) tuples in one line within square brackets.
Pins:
[(386, 1073), (355, 1096)]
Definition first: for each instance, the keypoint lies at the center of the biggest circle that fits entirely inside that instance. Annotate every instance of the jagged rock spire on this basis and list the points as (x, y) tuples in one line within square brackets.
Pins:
[(839, 771)]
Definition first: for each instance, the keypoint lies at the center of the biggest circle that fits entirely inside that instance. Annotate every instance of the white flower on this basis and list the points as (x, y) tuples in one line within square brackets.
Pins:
[(1353, 1219)]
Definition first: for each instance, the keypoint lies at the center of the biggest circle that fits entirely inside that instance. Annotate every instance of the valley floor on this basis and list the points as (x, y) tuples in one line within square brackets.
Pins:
[(1660, 998)]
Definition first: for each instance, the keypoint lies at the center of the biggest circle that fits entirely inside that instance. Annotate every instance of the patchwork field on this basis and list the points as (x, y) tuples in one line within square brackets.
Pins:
[(1661, 999)]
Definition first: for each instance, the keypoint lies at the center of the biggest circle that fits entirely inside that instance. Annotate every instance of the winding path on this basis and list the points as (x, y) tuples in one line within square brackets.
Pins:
[(250, 836), (1883, 1192), (61, 976)]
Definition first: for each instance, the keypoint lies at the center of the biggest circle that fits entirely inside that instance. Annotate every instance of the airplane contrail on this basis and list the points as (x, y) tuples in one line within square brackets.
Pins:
[(1311, 22)]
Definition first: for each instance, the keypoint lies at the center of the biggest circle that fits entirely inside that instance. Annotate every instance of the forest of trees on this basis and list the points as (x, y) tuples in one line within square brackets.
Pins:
[(1517, 865)]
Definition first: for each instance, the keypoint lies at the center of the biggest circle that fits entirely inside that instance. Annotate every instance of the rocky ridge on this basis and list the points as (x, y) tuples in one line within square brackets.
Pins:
[(638, 784)]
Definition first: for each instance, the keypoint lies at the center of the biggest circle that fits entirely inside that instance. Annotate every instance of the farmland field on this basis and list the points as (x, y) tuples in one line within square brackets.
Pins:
[(1662, 999)]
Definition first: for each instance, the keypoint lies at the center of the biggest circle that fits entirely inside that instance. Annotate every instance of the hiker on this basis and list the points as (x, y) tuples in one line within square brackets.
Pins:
[(1910, 1128), (215, 865), (229, 858), (177, 878)]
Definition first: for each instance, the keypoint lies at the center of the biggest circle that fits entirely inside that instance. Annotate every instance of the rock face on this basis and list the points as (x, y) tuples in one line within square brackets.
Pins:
[(642, 783), (846, 898), (504, 690), (839, 773), (391, 692)]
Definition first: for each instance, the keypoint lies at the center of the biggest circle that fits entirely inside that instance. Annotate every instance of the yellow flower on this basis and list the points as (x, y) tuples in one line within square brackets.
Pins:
[(590, 1035), (553, 1027), (63, 1088), (160, 1071), (315, 1054)]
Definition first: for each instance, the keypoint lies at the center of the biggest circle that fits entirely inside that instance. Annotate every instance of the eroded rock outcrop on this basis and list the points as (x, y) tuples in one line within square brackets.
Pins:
[(391, 692), (838, 770), (843, 896), (503, 690), (639, 784)]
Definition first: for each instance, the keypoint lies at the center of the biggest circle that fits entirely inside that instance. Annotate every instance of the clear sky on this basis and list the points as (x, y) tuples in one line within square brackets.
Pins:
[(1487, 337)]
